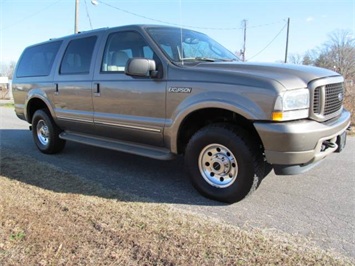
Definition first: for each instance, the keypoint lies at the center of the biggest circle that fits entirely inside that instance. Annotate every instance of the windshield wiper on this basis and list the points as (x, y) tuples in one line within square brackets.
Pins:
[(208, 59), (205, 59), (228, 60)]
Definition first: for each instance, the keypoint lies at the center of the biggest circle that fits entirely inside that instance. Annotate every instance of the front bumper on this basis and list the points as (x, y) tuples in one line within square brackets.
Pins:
[(295, 147)]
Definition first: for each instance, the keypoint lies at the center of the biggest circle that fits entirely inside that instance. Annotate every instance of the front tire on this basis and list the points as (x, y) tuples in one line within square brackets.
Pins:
[(224, 164), (46, 133)]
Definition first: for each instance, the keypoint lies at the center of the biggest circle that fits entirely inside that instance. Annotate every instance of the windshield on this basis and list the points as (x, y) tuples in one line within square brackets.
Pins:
[(186, 45)]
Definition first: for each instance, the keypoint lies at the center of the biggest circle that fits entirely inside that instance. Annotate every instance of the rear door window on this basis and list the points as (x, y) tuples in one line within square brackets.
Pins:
[(78, 56), (37, 61)]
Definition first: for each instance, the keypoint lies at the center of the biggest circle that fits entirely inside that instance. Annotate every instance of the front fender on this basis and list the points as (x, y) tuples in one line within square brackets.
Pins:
[(239, 104)]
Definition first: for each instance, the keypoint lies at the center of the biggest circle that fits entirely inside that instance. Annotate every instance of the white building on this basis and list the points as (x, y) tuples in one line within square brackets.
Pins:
[(5, 88)]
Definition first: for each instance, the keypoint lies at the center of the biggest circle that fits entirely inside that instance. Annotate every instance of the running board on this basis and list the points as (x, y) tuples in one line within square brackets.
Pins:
[(123, 146)]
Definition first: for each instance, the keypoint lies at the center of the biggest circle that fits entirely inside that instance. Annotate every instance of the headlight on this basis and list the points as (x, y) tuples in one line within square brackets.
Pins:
[(291, 105)]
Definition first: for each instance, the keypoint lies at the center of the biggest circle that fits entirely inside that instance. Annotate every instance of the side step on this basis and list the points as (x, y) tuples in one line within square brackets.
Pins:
[(128, 147)]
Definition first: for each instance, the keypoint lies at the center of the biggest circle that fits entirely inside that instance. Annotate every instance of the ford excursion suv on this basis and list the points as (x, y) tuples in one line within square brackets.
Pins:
[(161, 91)]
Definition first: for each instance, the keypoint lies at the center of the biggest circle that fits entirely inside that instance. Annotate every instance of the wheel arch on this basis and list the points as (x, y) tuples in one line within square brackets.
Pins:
[(34, 104), (200, 118)]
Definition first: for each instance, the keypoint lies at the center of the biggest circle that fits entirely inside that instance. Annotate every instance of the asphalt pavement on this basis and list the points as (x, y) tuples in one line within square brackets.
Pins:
[(319, 204)]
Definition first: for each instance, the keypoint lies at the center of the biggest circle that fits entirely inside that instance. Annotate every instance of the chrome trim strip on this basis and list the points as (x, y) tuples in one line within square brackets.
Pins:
[(128, 126), (75, 119)]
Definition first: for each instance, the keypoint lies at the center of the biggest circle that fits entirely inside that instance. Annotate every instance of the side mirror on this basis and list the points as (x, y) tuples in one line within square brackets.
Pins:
[(141, 67)]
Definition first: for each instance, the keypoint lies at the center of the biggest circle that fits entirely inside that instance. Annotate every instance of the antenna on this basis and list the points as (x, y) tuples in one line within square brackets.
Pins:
[(244, 24), (287, 37), (182, 50)]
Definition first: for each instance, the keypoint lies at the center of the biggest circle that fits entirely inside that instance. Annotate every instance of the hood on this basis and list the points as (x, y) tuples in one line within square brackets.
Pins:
[(289, 76)]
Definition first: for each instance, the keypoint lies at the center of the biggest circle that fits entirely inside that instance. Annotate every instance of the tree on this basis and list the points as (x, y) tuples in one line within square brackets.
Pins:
[(309, 57), (295, 59), (342, 51), (7, 69), (338, 54)]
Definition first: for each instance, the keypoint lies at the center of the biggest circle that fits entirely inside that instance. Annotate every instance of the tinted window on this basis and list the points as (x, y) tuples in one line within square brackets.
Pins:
[(78, 55), (183, 45), (121, 46), (38, 60)]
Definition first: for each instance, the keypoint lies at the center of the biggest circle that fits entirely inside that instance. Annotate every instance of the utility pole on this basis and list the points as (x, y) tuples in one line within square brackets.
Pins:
[(76, 21), (288, 31), (244, 25)]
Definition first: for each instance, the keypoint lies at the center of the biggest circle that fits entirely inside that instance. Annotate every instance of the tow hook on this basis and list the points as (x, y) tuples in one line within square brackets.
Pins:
[(328, 144)]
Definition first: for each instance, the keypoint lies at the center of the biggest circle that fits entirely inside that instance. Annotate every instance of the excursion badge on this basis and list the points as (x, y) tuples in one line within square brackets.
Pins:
[(179, 90)]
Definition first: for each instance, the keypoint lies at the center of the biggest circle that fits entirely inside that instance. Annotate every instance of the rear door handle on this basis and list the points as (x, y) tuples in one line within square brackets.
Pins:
[(97, 90), (56, 89)]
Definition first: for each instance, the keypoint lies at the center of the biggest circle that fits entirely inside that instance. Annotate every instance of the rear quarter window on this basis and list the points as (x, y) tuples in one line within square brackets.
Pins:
[(37, 61)]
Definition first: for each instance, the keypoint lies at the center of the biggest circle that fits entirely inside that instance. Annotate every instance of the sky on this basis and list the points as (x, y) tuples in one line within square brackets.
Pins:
[(26, 22)]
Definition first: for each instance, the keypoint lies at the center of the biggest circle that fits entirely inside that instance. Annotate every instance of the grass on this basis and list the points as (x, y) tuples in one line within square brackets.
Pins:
[(51, 217), (7, 105)]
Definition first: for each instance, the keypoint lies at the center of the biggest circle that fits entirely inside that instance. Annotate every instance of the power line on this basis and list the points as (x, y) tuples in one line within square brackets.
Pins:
[(182, 25), (158, 20), (87, 14), (244, 27), (30, 16), (265, 25), (262, 50)]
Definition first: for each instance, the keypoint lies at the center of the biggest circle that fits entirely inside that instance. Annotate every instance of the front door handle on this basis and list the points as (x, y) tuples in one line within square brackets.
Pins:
[(97, 90)]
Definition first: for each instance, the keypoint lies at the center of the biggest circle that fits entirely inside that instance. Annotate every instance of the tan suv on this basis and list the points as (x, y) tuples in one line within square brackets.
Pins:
[(161, 91)]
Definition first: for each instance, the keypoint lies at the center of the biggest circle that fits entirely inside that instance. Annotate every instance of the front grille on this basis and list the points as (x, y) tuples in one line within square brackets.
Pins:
[(328, 101), (334, 94), (316, 101)]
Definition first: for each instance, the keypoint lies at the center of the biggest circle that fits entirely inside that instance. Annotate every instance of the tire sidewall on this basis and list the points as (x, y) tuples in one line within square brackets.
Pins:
[(52, 138), (245, 177)]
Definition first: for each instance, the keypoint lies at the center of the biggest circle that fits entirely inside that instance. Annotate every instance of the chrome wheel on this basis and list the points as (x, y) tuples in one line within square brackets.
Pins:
[(46, 133), (218, 166), (42, 132)]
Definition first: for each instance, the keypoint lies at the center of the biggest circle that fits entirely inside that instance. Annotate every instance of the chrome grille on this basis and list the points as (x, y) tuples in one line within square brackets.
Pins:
[(334, 94), (316, 101), (328, 101)]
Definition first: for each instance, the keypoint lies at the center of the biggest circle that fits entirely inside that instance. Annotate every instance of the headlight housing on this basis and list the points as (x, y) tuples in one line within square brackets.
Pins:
[(291, 105)]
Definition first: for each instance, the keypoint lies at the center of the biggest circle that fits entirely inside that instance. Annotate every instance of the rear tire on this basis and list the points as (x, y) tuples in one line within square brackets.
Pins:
[(46, 133), (224, 164)]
